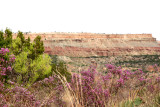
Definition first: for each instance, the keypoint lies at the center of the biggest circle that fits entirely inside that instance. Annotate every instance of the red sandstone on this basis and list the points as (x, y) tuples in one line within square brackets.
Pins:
[(88, 44)]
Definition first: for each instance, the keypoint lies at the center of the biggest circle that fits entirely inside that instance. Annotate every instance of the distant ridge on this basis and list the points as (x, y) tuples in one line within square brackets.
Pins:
[(93, 44)]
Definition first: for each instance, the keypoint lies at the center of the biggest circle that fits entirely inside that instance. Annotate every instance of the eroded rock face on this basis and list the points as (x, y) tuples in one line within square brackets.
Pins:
[(88, 44), (158, 43)]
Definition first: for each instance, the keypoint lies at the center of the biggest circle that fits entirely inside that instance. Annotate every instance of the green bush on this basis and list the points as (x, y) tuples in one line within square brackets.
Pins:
[(30, 64), (29, 70), (5, 38), (60, 69), (38, 48), (41, 67), (135, 103)]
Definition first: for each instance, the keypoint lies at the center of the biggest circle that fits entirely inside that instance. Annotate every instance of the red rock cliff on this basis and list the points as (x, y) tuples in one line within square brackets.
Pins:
[(89, 44)]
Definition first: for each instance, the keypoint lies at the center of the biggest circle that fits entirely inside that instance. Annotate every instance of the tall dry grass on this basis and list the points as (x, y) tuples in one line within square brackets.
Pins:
[(112, 88)]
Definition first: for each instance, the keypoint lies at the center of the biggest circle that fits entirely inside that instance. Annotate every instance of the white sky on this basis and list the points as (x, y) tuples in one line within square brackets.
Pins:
[(96, 16)]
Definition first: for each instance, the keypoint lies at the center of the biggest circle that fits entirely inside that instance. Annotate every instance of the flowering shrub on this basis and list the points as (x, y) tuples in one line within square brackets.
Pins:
[(15, 96), (86, 88), (18, 96), (53, 89), (6, 61), (90, 92), (5, 67), (94, 88)]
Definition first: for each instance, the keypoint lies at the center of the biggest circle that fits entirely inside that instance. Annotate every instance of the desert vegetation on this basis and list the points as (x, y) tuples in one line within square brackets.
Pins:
[(30, 78)]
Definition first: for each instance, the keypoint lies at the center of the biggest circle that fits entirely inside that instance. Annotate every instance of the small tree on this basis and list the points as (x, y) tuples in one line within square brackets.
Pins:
[(8, 37), (27, 42), (38, 48), (2, 42), (16, 46), (5, 38), (20, 35)]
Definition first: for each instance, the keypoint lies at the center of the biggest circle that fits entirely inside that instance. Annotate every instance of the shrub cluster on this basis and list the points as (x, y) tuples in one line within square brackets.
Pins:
[(17, 95), (114, 86), (93, 88)]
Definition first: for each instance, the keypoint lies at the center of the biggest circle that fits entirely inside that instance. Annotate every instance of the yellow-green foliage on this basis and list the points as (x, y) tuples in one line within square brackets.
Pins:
[(30, 64), (29, 70), (16, 43), (21, 63), (40, 67)]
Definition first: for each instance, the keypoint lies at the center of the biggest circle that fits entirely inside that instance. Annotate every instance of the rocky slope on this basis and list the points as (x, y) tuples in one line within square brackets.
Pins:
[(89, 44), (158, 43)]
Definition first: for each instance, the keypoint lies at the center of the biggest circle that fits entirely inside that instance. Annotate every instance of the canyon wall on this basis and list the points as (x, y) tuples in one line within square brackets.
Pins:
[(158, 43), (89, 44)]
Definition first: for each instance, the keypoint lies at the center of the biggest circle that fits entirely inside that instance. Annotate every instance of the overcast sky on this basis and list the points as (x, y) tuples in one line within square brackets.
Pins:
[(96, 16)]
